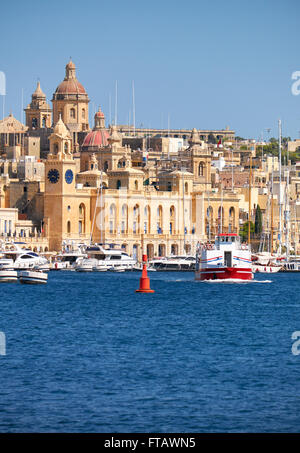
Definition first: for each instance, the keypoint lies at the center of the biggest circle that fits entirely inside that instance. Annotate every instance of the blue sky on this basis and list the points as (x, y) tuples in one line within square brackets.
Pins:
[(205, 64)]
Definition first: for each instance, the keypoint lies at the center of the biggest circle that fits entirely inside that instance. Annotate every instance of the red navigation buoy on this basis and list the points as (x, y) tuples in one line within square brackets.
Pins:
[(144, 280)]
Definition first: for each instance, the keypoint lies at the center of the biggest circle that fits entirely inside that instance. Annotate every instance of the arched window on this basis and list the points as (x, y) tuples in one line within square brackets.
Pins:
[(135, 250), (72, 113), (66, 147), (136, 185), (83, 113), (231, 220), (81, 219), (220, 219), (118, 184), (161, 250), (147, 220), (174, 249), (136, 219), (112, 218), (150, 251), (160, 219), (34, 122), (209, 221), (172, 220), (201, 169), (105, 167), (186, 187), (124, 221)]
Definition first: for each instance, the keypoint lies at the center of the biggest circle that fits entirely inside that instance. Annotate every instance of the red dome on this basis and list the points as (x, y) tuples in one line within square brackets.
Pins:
[(99, 114), (96, 138), (71, 86)]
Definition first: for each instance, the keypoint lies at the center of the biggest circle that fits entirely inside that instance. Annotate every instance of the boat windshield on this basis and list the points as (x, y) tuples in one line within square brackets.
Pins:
[(227, 239)]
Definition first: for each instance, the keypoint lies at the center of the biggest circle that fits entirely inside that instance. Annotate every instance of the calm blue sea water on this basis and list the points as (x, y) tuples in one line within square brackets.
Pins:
[(86, 354)]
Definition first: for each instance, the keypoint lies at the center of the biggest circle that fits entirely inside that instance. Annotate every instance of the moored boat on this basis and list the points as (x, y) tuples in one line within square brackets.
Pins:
[(265, 262), (33, 277), (100, 258), (226, 259), (7, 272)]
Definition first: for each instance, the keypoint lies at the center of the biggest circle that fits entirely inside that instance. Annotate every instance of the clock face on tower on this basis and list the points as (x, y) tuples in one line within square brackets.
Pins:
[(69, 176), (53, 175)]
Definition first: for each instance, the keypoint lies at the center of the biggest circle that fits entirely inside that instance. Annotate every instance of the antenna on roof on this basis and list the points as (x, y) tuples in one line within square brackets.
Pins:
[(133, 108), (109, 106), (22, 113), (3, 105), (116, 104)]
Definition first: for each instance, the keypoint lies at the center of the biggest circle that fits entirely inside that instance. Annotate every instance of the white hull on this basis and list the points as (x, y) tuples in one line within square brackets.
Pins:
[(8, 276), (261, 268), (33, 277), (117, 269)]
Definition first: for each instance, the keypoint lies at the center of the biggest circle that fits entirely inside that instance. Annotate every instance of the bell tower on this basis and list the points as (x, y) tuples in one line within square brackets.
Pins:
[(60, 170), (38, 112), (200, 161)]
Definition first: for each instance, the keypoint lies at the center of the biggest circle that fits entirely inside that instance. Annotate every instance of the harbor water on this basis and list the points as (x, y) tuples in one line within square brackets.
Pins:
[(85, 353)]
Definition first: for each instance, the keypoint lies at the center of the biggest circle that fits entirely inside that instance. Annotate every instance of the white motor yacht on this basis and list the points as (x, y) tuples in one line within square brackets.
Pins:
[(69, 258), (22, 258), (100, 258), (174, 263)]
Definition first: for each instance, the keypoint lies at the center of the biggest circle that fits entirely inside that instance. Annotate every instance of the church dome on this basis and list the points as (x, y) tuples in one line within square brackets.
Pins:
[(70, 84), (70, 87), (96, 138)]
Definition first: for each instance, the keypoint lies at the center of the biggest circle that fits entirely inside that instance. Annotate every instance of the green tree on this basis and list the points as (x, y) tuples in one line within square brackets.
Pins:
[(244, 231), (258, 221)]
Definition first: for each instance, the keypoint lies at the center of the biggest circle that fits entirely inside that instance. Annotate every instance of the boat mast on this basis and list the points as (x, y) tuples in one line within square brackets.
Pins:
[(133, 108), (221, 208), (101, 208), (183, 209), (287, 216), (280, 204), (249, 214), (209, 217), (272, 225)]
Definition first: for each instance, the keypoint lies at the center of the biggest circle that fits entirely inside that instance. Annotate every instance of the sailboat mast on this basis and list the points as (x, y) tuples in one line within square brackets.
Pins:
[(272, 224), (280, 203), (249, 214), (287, 216), (133, 108)]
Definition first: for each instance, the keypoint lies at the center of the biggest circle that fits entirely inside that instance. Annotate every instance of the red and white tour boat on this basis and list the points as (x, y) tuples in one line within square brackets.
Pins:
[(226, 259)]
